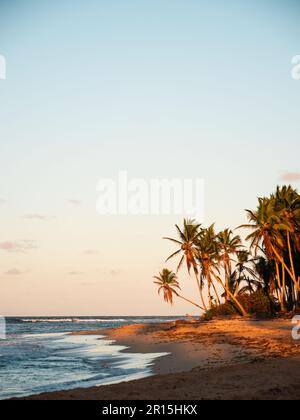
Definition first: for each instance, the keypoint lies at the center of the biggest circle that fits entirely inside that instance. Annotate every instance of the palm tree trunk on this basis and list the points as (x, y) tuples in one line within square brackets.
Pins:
[(202, 299), (209, 294), (241, 308), (236, 292), (189, 301), (281, 290), (291, 288), (286, 267), (216, 293), (283, 295), (200, 291), (226, 278), (291, 254)]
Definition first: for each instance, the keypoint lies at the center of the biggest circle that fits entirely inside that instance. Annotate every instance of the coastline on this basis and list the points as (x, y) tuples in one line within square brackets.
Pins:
[(221, 359)]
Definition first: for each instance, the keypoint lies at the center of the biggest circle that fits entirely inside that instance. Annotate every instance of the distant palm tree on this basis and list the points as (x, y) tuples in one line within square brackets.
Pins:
[(264, 269), (244, 279), (243, 270), (169, 285), (187, 251)]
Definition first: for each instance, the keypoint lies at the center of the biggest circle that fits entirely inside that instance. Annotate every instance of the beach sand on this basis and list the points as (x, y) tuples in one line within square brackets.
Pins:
[(221, 359)]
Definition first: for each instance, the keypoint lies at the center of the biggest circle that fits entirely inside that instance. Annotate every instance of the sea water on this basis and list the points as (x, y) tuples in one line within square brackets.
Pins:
[(40, 355)]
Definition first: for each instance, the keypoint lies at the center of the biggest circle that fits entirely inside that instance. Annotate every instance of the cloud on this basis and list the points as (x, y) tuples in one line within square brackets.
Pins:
[(75, 273), (14, 272), (74, 202), (291, 176), (17, 246), (91, 252), (2, 201), (37, 217), (115, 273), (91, 283)]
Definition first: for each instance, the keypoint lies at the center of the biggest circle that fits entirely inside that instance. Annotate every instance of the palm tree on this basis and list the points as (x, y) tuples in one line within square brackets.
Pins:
[(287, 204), (271, 264), (169, 285), (270, 229), (228, 245), (262, 223), (243, 270), (208, 259), (251, 286), (187, 242), (265, 270), (243, 263)]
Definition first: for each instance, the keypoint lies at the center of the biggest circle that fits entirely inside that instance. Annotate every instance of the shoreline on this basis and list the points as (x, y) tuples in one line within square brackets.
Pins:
[(221, 359)]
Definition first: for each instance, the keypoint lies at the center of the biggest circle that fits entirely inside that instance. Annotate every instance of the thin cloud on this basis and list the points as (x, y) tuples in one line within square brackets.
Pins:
[(2, 201), (91, 252), (42, 217), (115, 273), (100, 283), (291, 176), (76, 273), (74, 202), (14, 272), (17, 246), (91, 283)]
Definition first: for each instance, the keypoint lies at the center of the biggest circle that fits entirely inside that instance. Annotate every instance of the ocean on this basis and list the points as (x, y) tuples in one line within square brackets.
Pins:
[(39, 355)]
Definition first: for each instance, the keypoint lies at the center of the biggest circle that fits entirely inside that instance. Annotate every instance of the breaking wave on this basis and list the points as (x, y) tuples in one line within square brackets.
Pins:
[(74, 320)]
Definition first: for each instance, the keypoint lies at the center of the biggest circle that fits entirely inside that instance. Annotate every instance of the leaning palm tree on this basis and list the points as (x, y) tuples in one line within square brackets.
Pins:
[(228, 245), (208, 260), (169, 285), (187, 242)]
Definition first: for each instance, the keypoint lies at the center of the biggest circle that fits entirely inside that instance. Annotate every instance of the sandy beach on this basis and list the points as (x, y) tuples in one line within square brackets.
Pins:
[(221, 359)]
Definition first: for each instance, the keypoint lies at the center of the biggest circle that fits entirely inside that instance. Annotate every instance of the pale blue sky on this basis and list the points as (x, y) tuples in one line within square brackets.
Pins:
[(161, 89)]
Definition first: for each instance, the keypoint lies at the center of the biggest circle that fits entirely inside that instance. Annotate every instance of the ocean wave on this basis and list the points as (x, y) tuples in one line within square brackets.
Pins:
[(45, 335), (71, 320)]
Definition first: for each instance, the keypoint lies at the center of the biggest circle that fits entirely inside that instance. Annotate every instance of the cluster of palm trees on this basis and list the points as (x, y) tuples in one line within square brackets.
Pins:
[(225, 271)]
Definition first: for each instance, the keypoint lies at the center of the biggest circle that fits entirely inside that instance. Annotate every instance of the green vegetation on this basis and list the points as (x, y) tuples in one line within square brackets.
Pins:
[(261, 279)]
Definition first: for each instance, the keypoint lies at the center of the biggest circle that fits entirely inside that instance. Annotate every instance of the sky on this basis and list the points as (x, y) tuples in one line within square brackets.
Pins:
[(161, 89)]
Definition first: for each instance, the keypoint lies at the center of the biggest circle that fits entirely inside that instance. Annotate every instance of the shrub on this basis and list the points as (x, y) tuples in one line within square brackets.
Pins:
[(224, 310), (257, 304)]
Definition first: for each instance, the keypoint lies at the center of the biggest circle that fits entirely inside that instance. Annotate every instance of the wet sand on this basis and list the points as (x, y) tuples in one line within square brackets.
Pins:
[(222, 359)]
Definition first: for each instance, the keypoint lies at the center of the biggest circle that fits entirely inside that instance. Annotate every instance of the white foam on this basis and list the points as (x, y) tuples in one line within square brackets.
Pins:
[(78, 320), (45, 335)]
